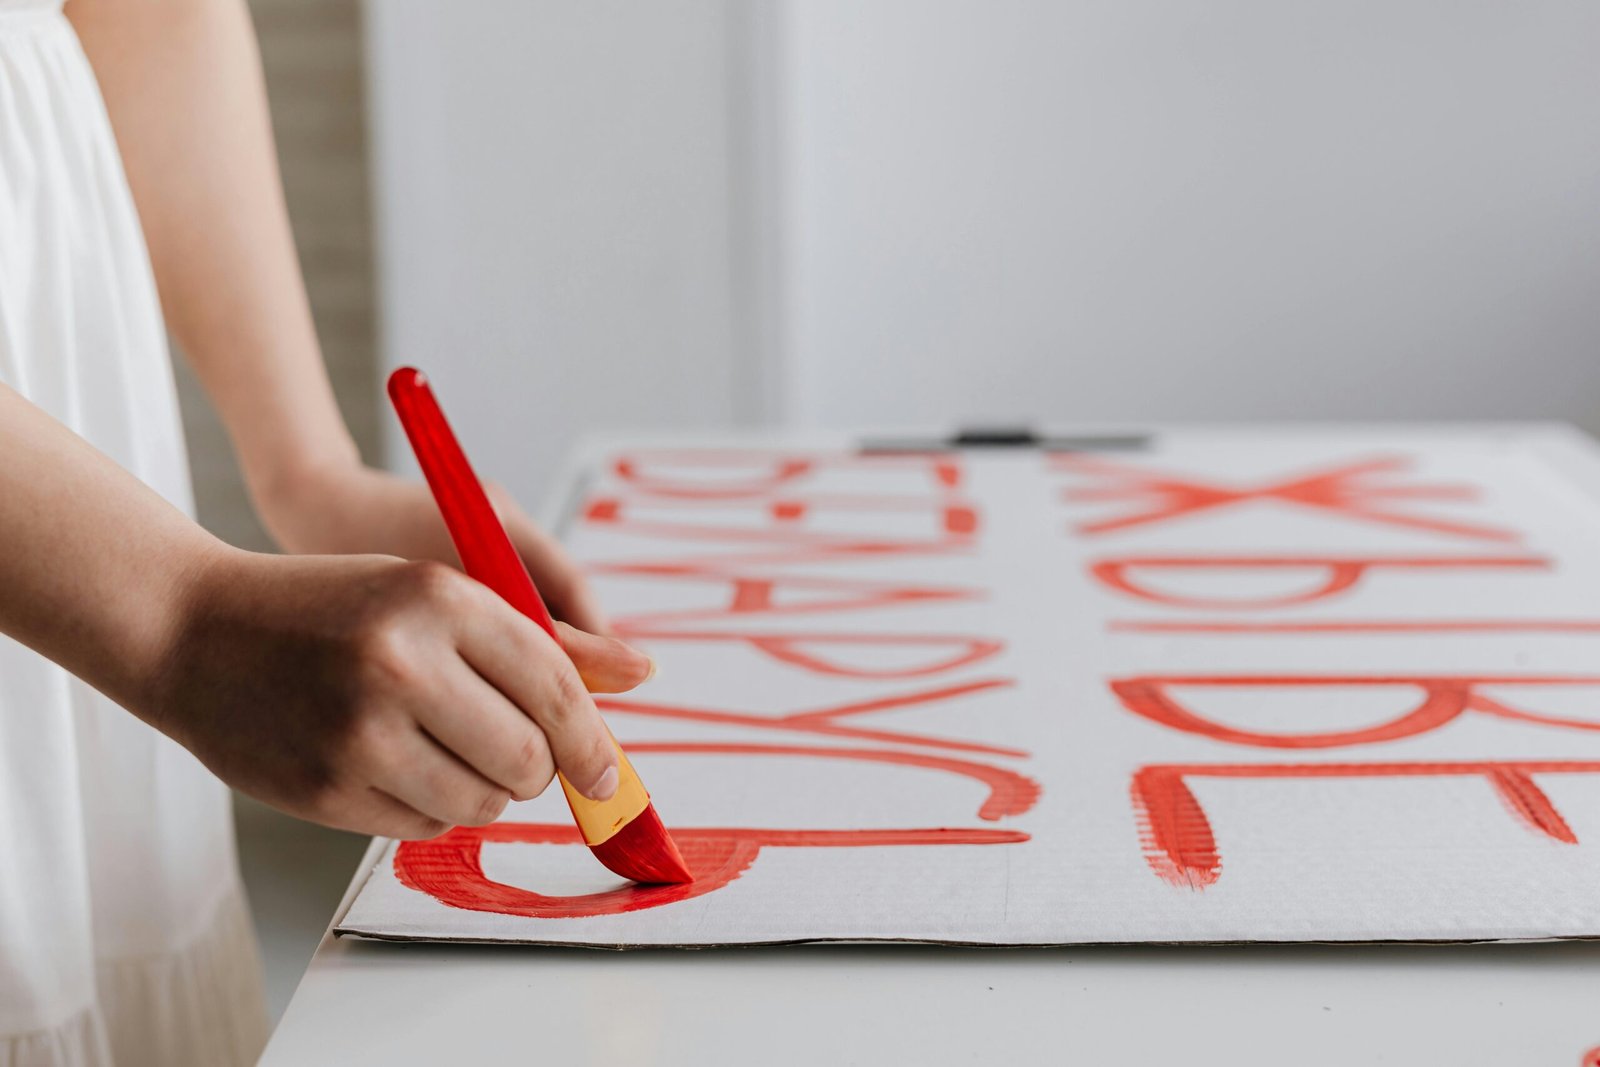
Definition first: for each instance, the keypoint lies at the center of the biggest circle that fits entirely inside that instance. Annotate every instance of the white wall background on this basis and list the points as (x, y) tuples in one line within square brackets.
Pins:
[(552, 190), (1156, 208), (934, 211)]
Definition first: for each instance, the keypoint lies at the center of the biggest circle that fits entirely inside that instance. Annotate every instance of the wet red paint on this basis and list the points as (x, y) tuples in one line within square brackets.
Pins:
[(1343, 491), (948, 510), (779, 471), (806, 551), (784, 536), (1340, 573), (1591, 1058), (824, 721), (759, 594), (790, 506), (690, 496), (643, 851), (449, 868), (960, 520), (1444, 699), (951, 527), (1010, 793), (791, 648), (758, 472), (1182, 849)]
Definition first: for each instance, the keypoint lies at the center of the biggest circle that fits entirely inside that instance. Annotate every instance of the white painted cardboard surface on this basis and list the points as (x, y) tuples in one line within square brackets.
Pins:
[(1464, 606)]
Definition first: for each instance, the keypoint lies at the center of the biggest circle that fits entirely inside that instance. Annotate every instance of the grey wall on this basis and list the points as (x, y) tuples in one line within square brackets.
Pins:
[(929, 210), (1134, 209), (554, 191)]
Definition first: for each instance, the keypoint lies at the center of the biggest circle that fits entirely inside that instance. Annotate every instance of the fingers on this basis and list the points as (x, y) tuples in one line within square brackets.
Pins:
[(605, 664), (520, 660), (559, 580), (372, 811), (486, 731), (388, 817), (424, 777)]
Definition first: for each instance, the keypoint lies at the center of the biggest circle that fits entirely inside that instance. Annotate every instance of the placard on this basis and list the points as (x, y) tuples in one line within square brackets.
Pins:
[(1266, 685)]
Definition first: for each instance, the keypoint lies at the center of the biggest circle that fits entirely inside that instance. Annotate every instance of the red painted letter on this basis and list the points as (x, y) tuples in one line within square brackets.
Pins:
[(1181, 848), (1443, 699)]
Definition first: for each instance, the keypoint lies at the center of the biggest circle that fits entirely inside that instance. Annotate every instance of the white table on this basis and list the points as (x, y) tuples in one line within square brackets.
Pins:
[(1273, 1006)]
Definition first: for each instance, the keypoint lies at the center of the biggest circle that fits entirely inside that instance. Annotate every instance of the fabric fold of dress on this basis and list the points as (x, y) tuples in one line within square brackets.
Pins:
[(124, 935)]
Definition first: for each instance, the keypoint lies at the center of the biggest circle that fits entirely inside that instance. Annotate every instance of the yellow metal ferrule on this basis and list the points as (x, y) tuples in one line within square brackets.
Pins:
[(599, 820)]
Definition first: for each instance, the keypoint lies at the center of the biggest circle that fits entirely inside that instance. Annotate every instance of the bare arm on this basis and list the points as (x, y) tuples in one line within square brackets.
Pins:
[(360, 691), (98, 568), (182, 81)]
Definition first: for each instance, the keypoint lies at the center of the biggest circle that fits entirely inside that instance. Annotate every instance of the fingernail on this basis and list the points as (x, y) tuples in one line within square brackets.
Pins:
[(651, 673), (605, 787)]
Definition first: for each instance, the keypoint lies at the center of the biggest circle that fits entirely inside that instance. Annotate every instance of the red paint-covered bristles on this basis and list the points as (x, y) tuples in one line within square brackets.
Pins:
[(644, 852)]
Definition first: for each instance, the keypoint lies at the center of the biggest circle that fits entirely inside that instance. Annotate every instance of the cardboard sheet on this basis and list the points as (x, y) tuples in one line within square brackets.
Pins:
[(1267, 685)]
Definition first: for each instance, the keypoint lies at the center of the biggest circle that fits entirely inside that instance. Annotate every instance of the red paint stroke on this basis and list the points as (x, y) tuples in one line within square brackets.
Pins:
[(954, 520), (1341, 491), (449, 868), (790, 648), (825, 721), (1181, 848), (752, 594), (780, 470), (1591, 1058), (793, 506), (1359, 626), (773, 470), (1010, 793), (725, 560), (602, 509), (1444, 699), (1342, 573), (953, 516)]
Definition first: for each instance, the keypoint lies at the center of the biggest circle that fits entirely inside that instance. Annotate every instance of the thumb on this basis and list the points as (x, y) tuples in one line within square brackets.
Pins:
[(605, 664)]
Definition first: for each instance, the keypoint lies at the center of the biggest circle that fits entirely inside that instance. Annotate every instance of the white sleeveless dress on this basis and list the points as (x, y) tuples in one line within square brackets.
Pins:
[(124, 936)]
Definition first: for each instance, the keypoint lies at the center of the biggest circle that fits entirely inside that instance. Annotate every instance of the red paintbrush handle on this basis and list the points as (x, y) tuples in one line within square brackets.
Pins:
[(486, 552)]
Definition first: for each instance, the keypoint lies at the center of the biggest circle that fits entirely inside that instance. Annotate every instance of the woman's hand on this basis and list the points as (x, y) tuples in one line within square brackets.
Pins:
[(348, 508), (380, 695), (365, 692)]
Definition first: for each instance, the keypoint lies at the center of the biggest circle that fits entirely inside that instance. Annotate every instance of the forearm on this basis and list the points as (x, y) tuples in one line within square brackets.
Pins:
[(361, 691), (182, 82), (98, 568)]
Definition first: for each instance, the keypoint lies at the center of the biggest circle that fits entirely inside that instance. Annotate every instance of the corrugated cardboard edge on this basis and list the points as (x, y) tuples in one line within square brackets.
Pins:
[(361, 935), (358, 881)]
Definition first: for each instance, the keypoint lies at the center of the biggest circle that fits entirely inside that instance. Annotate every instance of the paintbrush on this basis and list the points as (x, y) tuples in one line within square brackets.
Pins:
[(624, 833)]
